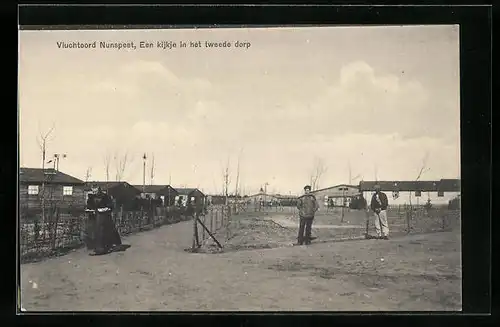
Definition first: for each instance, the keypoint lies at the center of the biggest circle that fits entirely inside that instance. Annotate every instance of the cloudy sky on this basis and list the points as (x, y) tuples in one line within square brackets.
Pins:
[(377, 99)]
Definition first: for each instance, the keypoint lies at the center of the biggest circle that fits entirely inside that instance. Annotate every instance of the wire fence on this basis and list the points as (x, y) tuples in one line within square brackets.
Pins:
[(248, 226), (401, 218), (211, 226), (235, 225), (60, 230)]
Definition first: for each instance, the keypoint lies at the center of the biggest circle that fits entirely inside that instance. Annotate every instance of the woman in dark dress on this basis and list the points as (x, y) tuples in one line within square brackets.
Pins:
[(102, 234), (90, 223)]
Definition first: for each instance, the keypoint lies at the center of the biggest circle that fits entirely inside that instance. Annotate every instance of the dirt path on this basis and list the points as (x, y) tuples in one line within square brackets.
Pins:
[(419, 272)]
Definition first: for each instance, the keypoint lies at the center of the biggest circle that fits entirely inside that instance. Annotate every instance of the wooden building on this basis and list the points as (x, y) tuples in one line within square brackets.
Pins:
[(56, 188), (287, 200), (188, 195), (336, 196), (418, 192), (262, 199), (123, 194), (216, 199), (164, 192)]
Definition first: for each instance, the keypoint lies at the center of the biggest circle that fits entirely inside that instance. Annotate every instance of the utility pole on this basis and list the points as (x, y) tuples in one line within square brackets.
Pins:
[(57, 157), (152, 169), (226, 185), (350, 173), (343, 203), (265, 193), (237, 190), (144, 173)]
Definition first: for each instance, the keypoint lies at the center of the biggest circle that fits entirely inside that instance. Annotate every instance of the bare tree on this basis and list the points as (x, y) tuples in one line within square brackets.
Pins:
[(319, 169), (226, 178), (121, 161), (352, 179), (42, 140), (423, 169), (107, 163), (216, 191), (42, 143), (237, 191), (88, 174), (356, 178)]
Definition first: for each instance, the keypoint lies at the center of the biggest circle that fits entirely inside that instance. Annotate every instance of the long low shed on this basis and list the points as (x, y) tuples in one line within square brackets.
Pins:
[(443, 185)]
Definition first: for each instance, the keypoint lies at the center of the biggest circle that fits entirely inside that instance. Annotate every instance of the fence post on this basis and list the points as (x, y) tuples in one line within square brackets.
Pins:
[(36, 230), (211, 220), (120, 218), (203, 236), (443, 222), (226, 226), (221, 223), (196, 241), (55, 225), (193, 244), (408, 220), (215, 218), (141, 218)]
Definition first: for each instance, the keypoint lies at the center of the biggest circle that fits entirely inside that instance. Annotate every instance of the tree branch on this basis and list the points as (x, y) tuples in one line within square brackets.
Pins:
[(423, 168), (317, 172)]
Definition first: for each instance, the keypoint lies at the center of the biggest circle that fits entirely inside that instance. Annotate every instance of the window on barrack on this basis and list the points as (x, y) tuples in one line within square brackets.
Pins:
[(33, 189), (67, 190)]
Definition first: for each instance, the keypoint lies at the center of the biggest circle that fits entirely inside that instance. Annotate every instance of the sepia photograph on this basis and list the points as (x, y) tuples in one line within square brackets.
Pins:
[(308, 168)]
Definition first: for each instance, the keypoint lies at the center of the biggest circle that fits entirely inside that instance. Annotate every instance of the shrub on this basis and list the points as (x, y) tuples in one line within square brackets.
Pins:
[(454, 204)]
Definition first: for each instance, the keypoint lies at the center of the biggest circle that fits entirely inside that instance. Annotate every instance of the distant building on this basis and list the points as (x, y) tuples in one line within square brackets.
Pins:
[(400, 192), (216, 199), (123, 194), (189, 195), (337, 196), (164, 192), (55, 187), (287, 200), (262, 199)]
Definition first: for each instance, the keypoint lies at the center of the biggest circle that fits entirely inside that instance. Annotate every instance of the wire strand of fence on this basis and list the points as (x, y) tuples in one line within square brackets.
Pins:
[(66, 228)]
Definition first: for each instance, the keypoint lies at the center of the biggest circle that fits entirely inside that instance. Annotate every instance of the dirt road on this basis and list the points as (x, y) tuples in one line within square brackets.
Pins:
[(418, 272)]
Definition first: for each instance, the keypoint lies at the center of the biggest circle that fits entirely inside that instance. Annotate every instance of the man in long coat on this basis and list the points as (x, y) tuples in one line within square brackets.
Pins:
[(307, 205)]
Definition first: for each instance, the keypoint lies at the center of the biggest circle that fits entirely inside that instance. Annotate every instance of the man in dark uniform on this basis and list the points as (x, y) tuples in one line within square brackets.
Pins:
[(307, 206)]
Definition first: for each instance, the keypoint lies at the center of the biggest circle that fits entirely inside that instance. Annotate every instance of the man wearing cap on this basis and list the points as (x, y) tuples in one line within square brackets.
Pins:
[(307, 206), (379, 205)]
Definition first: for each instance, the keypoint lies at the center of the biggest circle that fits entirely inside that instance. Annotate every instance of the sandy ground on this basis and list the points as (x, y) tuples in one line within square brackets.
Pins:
[(416, 272)]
